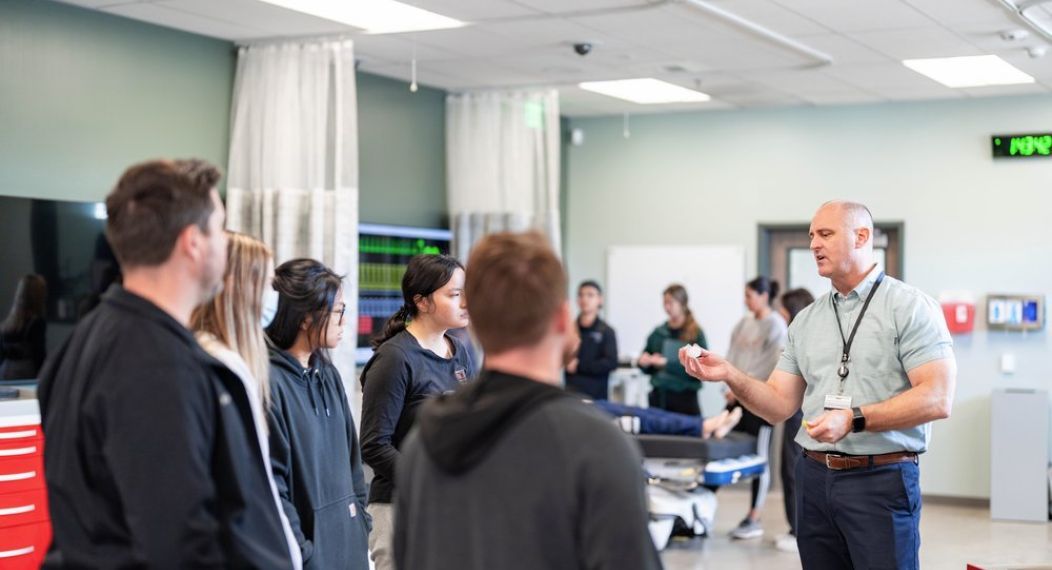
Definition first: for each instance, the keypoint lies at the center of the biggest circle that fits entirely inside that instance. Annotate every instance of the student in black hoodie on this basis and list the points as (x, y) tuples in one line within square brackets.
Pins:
[(589, 372), (416, 358), (313, 444), (511, 471), (152, 458)]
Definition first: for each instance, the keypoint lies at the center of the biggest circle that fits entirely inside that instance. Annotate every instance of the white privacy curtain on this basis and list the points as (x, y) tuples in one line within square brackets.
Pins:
[(293, 173), (502, 164)]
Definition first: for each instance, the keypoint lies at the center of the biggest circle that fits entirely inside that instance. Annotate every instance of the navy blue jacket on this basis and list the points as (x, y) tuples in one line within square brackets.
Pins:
[(317, 463)]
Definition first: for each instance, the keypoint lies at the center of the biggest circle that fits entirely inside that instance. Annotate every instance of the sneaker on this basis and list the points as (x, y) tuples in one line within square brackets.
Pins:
[(786, 543), (747, 529)]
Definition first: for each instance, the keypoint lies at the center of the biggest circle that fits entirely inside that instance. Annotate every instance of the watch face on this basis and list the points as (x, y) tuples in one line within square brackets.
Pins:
[(858, 423)]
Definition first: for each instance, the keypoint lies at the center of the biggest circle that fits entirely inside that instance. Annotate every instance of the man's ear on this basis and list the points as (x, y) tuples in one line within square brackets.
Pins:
[(189, 242), (563, 319), (564, 324), (862, 237)]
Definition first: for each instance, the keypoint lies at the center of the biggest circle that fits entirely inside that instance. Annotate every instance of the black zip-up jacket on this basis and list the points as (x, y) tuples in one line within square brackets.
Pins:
[(514, 474), (399, 377), (596, 359), (317, 463), (152, 458)]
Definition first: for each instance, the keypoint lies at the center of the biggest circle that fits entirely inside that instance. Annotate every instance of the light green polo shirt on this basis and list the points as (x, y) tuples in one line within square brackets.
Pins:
[(902, 329)]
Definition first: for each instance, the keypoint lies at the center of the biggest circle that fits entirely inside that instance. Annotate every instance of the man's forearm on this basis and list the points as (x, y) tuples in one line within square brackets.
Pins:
[(760, 397), (916, 406)]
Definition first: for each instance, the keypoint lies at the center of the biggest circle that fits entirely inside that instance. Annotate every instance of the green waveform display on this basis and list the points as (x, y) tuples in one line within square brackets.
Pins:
[(380, 276), (396, 246)]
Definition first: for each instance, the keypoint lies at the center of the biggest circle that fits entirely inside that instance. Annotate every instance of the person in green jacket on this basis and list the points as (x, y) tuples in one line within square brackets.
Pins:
[(673, 389)]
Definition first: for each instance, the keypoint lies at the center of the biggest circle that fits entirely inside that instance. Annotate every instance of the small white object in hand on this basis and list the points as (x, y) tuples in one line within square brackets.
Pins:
[(693, 350)]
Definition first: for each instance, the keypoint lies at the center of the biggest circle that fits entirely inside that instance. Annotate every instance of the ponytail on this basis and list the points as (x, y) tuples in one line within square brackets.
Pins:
[(393, 326), (762, 285), (691, 328)]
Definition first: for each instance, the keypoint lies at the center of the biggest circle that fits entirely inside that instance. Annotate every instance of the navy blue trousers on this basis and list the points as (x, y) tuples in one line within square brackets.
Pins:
[(858, 519), (653, 420)]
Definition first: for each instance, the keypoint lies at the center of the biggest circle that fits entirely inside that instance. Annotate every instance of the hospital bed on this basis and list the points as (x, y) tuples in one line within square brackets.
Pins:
[(682, 470)]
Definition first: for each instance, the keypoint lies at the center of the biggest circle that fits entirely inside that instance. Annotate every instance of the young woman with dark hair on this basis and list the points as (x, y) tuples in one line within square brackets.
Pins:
[(415, 359), (313, 443), (674, 390), (793, 301), (589, 372), (756, 343)]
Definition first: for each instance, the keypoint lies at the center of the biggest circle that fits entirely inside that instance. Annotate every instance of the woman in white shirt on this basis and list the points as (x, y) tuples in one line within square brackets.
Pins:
[(229, 328)]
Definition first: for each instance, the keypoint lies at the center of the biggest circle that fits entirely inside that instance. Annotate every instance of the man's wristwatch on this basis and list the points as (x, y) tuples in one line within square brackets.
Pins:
[(858, 422)]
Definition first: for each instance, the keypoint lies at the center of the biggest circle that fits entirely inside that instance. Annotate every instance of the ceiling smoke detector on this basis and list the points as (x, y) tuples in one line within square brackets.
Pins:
[(1014, 35)]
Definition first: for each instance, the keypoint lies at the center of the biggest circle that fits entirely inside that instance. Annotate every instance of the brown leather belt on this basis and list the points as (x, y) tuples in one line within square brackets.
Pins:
[(839, 462)]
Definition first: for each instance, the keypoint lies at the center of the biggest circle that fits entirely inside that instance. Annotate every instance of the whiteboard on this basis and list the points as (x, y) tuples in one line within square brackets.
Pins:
[(715, 280)]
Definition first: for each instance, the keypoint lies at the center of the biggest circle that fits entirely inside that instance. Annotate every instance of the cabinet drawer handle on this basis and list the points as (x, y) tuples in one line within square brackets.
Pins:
[(18, 434), (17, 510), (19, 451), (18, 476), (19, 552)]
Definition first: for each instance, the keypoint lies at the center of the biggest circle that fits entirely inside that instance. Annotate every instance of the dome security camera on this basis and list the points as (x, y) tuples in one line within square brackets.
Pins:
[(582, 48)]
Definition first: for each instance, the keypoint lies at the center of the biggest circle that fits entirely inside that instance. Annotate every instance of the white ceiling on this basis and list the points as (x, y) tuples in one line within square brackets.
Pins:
[(520, 43)]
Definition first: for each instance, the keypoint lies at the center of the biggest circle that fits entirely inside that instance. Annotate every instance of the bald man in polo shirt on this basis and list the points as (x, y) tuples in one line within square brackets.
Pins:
[(872, 365)]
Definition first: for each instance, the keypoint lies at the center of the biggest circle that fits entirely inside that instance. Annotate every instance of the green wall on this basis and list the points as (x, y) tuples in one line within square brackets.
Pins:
[(84, 94), (401, 153)]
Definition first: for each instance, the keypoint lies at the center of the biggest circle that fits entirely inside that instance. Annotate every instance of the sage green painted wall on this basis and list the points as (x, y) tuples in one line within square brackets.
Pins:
[(971, 222), (84, 94), (401, 153)]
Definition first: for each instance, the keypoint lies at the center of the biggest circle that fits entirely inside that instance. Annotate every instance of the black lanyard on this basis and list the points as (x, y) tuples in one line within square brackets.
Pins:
[(842, 372)]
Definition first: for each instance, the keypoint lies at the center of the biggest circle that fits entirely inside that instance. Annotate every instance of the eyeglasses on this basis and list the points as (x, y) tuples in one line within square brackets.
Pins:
[(341, 311)]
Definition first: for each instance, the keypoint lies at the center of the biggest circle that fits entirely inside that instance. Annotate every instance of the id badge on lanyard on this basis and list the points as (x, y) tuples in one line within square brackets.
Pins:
[(839, 401)]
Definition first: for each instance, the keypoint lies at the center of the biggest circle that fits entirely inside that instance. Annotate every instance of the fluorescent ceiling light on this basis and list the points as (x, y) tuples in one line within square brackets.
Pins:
[(973, 71), (646, 91), (373, 16)]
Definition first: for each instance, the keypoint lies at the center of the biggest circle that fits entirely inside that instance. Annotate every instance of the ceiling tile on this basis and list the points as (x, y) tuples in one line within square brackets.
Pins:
[(395, 48), (268, 19), (99, 3), (917, 43), (858, 15), (474, 10), (951, 12), (797, 81), (773, 16), (560, 6), (854, 97), (910, 94), (883, 75), (1002, 90), (653, 27), (844, 50), (164, 16)]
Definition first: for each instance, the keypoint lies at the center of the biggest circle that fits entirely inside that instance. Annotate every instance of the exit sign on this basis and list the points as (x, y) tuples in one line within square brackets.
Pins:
[(1022, 146)]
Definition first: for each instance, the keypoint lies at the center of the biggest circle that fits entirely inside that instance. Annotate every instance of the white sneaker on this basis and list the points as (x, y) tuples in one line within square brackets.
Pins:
[(786, 543), (747, 529)]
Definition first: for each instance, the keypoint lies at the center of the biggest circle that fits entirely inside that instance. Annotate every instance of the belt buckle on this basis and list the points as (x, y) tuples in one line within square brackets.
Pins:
[(828, 457)]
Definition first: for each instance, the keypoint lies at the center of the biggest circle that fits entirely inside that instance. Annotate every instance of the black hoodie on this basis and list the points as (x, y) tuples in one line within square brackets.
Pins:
[(399, 377), (152, 458), (514, 474), (317, 463)]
